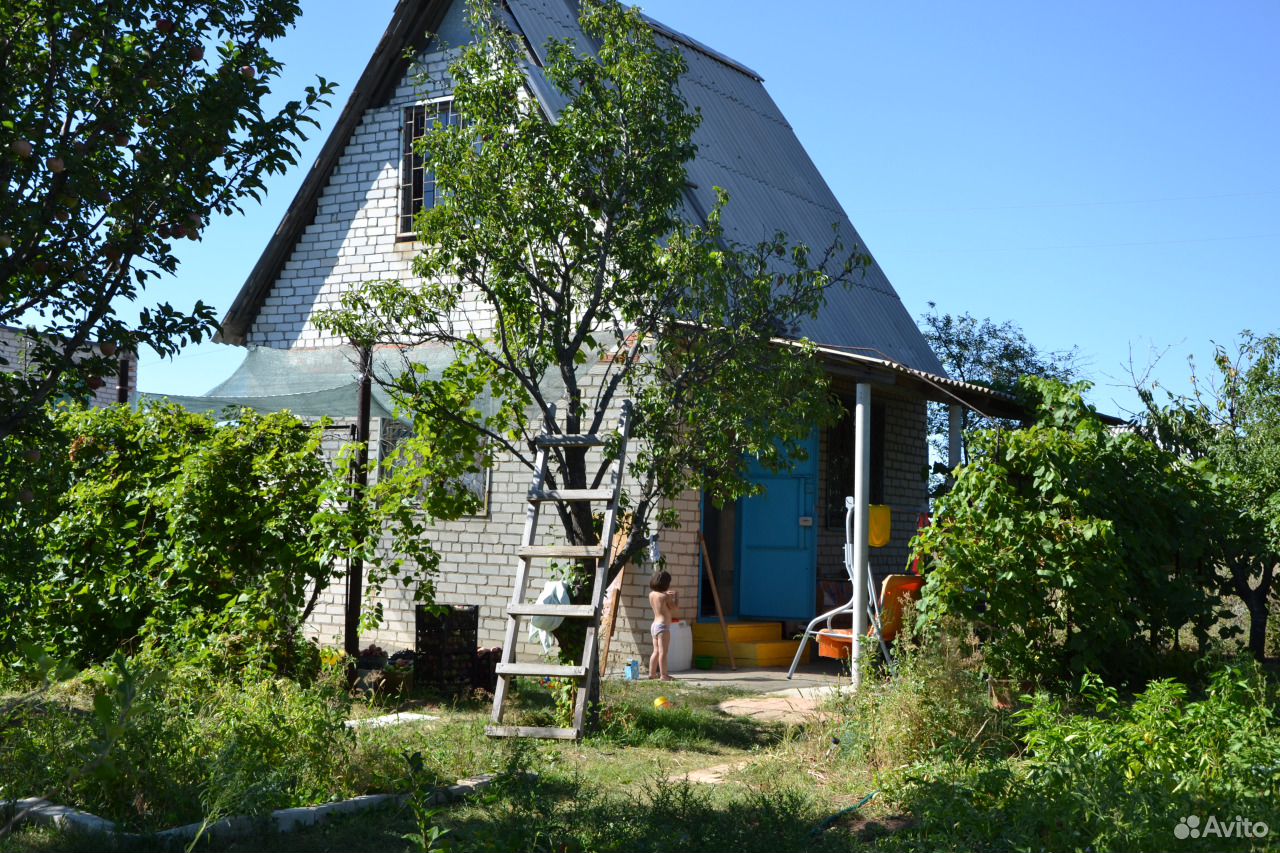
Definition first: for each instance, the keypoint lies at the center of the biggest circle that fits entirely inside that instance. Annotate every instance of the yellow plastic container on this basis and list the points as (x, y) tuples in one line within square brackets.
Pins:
[(880, 525)]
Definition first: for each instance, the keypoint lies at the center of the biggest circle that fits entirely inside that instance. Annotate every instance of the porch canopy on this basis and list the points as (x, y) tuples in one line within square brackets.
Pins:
[(874, 368), (869, 368)]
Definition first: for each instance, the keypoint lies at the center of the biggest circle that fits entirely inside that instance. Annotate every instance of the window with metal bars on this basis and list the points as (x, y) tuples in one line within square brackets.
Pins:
[(417, 182)]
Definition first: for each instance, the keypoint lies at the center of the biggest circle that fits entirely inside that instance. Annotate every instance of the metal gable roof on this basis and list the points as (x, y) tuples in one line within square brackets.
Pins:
[(745, 146)]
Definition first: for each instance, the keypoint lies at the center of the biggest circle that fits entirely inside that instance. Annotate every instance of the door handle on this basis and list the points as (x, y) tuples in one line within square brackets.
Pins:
[(806, 521)]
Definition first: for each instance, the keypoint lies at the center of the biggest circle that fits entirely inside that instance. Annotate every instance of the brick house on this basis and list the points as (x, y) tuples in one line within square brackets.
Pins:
[(773, 556), (121, 388)]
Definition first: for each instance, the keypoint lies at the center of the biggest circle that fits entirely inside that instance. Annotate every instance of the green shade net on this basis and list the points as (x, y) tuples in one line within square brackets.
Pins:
[(316, 382)]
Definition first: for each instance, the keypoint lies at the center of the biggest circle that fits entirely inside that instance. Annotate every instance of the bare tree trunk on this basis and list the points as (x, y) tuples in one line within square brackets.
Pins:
[(1256, 601)]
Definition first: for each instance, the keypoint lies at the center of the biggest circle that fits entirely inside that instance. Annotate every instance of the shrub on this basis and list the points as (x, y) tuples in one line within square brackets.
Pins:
[(1121, 776), (159, 522), (123, 527), (1071, 547)]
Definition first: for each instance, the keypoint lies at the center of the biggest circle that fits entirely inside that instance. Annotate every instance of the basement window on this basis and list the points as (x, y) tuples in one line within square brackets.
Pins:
[(417, 182)]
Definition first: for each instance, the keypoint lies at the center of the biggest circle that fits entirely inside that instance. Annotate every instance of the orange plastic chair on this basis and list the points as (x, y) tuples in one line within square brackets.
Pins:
[(893, 591)]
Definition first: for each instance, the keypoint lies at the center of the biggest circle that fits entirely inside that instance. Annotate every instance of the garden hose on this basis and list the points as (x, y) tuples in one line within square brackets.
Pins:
[(829, 822)]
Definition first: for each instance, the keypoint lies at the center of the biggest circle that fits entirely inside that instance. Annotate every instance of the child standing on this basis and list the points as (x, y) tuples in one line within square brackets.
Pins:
[(664, 613)]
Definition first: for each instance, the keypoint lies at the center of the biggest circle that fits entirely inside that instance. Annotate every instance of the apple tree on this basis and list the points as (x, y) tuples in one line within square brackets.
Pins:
[(124, 126)]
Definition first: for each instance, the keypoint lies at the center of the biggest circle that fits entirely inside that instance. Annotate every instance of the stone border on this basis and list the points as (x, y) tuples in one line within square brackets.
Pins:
[(66, 819)]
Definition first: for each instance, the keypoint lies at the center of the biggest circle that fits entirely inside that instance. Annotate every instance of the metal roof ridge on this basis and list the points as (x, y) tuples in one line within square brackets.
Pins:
[(694, 44)]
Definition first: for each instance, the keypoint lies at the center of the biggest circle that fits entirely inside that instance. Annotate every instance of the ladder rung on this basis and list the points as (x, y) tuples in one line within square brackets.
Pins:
[(577, 552), (572, 495), (568, 441), (571, 611), (532, 731), (550, 670)]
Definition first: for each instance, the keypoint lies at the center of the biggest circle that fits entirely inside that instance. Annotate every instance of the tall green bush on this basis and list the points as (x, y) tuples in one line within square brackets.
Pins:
[(1231, 424), (157, 524), (1123, 775), (1071, 546)]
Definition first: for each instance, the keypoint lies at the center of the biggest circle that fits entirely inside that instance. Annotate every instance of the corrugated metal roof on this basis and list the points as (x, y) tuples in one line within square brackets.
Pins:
[(746, 147)]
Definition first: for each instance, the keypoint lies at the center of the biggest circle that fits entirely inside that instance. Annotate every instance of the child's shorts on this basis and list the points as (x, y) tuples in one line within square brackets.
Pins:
[(659, 628)]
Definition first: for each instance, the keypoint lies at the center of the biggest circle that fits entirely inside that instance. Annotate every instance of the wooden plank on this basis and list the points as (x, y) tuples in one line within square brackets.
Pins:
[(571, 495), (614, 532), (568, 441), (576, 552), (532, 731), (614, 595), (550, 670), (589, 671), (569, 611)]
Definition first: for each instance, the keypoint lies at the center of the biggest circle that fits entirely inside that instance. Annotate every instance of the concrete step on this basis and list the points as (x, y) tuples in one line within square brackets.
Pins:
[(739, 632), (766, 653)]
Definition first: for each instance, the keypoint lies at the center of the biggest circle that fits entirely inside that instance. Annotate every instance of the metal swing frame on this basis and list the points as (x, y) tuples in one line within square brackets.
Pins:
[(874, 613)]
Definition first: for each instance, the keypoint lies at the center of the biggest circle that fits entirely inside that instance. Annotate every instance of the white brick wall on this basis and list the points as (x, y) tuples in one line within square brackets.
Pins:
[(13, 349), (478, 566), (353, 240)]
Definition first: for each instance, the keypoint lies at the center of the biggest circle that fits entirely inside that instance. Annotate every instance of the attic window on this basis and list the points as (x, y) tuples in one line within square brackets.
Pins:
[(417, 183)]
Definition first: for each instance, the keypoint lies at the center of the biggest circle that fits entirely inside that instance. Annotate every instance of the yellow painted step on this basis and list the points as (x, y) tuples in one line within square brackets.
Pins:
[(739, 632), (773, 653), (770, 648), (754, 663)]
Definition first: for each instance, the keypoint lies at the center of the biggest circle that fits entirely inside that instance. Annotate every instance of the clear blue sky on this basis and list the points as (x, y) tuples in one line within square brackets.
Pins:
[(1105, 175)]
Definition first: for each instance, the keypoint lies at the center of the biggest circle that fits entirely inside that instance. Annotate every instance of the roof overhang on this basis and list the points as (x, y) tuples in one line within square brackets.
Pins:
[(877, 370)]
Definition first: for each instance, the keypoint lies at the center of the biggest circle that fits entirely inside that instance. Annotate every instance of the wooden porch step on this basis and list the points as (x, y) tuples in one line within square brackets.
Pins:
[(548, 670), (579, 495), (569, 611), (532, 731), (568, 441), (575, 552)]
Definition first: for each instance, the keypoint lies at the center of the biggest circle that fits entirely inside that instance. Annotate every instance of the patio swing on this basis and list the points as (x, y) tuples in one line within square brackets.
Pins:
[(884, 612)]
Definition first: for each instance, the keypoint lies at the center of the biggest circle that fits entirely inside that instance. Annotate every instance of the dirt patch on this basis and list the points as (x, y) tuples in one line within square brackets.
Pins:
[(710, 775), (868, 830), (772, 709)]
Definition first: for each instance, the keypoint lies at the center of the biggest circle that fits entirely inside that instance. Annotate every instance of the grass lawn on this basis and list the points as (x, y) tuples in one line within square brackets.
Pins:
[(621, 788), (1106, 772)]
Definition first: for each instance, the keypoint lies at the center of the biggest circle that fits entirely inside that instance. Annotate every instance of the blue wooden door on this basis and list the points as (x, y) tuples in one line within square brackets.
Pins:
[(778, 542)]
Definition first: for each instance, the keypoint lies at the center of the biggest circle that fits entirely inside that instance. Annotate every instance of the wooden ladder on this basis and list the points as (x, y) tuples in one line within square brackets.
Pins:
[(585, 673)]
